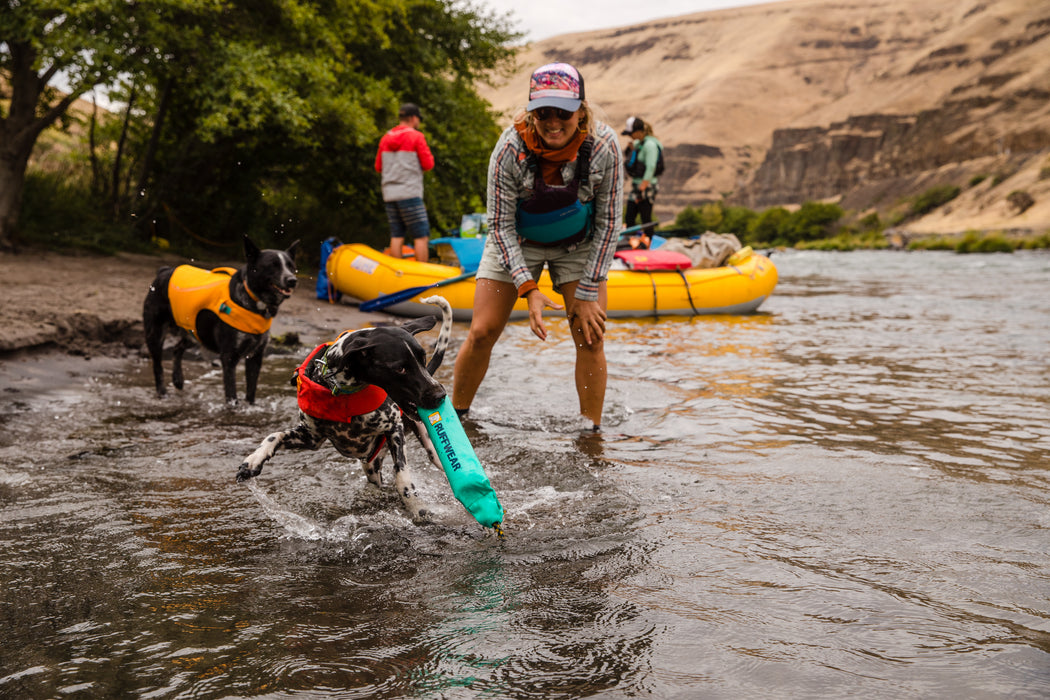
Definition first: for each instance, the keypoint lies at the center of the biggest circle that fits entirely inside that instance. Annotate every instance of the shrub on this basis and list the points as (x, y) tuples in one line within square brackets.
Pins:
[(871, 222), (812, 221), (991, 243), (846, 240), (765, 228), (711, 216), (690, 221), (737, 220), (933, 198), (1020, 200), (1035, 242), (932, 243), (977, 179)]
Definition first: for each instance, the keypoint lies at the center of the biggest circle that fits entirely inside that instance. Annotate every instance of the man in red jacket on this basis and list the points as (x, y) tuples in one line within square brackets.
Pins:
[(402, 159)]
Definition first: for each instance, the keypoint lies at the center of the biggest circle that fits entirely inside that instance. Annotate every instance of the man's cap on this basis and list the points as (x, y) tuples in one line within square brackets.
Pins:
[(409, 110), (633, 124), (556, 85)]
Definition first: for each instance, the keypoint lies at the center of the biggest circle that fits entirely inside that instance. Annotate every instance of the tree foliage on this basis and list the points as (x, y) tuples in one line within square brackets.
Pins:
[(261, 116)]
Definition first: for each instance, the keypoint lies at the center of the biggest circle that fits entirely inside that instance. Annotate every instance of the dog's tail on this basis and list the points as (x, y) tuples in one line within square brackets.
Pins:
[(446, 331)]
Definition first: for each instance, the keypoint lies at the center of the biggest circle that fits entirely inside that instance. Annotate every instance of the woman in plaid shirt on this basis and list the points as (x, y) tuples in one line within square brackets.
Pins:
[(554, 185)]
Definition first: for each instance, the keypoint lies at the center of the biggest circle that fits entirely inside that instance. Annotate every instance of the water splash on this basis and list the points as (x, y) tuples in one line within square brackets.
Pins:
[(301, 527)]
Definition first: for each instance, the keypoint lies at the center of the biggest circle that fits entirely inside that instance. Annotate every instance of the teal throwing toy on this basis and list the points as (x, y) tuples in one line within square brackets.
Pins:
[(465, 474)]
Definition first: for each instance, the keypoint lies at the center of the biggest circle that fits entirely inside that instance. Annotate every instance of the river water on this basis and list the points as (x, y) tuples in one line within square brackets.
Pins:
[(843, 495)]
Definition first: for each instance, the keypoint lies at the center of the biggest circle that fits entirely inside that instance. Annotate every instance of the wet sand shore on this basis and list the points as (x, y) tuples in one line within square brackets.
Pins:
[(62, 314)]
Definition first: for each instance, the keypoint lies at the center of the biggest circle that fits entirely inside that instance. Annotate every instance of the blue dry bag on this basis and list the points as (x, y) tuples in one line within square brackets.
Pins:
[(465, 475), (324, 289)]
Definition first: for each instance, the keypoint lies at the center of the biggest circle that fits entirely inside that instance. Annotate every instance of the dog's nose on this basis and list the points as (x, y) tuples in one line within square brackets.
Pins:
[(433, 398), (290, 282)]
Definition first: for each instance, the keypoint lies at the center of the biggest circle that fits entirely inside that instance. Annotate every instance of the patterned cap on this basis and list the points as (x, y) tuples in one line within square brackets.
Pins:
[(556, 85)]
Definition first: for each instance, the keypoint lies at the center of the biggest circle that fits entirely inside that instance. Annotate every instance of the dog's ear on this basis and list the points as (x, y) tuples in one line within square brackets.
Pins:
[(291, 249), (351, 346), (251, 251), (418, 325)]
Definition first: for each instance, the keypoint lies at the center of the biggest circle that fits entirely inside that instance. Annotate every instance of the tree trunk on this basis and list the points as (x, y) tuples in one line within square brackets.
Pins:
[(96, 173), (12, 178), (140, 202), (19, 131), (115, 193)]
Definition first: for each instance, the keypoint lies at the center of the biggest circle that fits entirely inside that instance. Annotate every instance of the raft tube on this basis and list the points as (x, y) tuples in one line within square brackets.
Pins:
[(738, 288)]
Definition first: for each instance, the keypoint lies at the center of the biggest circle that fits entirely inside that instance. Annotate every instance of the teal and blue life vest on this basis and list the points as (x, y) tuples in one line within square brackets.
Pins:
[(555, 215)]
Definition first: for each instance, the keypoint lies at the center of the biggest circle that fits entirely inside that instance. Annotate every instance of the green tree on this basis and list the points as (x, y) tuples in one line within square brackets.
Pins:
[(737, 220), (811, 221), (766, 227), (256, 117), (87, 44), (690, 221)]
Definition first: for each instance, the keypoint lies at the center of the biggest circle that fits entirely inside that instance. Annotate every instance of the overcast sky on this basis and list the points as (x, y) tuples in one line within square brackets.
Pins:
[(542, 19)]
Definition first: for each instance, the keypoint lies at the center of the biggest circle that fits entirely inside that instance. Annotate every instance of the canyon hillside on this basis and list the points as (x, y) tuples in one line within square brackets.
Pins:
[(863, 102)]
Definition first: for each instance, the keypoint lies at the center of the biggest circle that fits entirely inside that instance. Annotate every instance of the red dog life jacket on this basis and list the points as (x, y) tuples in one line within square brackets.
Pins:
[(318, 401)]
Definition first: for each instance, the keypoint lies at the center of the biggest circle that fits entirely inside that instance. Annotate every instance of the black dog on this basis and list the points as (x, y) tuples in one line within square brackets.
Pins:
[(227, 311), (358, 392)]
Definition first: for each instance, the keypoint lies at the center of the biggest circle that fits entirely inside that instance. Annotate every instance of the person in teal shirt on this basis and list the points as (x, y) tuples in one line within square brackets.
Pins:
[(644, 186)]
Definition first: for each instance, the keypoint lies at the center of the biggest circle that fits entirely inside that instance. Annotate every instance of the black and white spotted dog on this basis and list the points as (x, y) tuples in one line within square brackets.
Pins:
[(227, 311), (384, 372)]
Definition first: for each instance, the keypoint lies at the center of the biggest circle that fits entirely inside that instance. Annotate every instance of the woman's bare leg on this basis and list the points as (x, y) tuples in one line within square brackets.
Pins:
[(493, 302), (591, 369)]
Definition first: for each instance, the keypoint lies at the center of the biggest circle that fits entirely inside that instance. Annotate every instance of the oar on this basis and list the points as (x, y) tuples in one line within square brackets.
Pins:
[(385, 300), (639, 227)]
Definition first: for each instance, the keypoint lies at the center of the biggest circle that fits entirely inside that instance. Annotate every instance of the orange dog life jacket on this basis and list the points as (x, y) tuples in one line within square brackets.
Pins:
[(318, 401), (192, 290)]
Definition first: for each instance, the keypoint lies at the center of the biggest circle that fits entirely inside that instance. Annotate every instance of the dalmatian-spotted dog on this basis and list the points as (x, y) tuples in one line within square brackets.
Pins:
[(226, 310), (359, 392)]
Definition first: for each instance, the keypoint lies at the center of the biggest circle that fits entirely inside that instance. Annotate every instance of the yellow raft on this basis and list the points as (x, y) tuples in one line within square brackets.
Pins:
[(736, 288)]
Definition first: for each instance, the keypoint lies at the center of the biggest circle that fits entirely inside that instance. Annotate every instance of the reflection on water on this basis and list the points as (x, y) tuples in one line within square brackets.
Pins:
[(843, 495)]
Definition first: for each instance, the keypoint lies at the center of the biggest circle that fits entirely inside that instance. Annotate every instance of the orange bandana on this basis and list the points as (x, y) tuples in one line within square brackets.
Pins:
[(551, 159)]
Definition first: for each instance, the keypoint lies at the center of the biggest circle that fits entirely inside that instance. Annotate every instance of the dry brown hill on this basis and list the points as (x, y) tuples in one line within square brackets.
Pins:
[(864, 101)]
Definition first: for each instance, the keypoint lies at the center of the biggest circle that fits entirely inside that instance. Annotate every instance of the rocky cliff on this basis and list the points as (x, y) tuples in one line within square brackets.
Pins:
[(867, 103)]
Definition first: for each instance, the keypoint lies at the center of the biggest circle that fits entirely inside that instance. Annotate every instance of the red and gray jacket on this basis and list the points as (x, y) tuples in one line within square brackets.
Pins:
[(403, 157)]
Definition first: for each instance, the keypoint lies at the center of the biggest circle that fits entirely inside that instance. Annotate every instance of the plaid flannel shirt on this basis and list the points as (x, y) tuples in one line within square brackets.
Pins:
[(510, 181)]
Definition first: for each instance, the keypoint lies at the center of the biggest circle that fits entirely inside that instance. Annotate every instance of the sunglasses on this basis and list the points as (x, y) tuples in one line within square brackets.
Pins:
[(545, 113)]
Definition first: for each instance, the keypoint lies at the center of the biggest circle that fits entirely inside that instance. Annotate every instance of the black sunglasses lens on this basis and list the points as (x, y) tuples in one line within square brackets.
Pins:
[(545, 113)]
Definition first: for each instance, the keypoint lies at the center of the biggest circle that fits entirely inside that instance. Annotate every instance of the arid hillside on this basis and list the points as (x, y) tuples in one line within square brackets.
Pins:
[(865, 102)]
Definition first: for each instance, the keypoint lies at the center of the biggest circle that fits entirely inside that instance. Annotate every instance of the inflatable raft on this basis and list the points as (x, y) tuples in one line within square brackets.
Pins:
[(736, 288)]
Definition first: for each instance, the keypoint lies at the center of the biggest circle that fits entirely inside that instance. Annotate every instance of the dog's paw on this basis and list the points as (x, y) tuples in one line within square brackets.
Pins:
[(245, 472), (422, 517)]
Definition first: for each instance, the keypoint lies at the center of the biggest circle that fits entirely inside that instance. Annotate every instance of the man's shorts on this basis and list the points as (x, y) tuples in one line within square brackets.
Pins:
[(408, 216), (565, 264)]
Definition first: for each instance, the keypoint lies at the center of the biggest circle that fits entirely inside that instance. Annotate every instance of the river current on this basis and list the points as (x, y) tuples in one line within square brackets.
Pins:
[(845, 494)]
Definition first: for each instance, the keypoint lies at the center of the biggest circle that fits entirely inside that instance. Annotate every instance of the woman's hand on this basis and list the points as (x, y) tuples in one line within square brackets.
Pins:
[(538, 301), (588, 317)]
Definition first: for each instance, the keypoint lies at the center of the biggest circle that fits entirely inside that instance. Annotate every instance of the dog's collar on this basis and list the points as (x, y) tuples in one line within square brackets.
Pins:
[(250, 293), (326, 374)]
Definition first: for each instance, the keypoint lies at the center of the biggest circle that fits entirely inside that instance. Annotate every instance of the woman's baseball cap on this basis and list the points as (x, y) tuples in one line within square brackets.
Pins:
[(556, 85)]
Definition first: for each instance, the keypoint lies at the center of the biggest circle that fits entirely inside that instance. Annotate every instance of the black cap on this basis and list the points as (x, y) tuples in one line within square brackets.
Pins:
[(633, 124), (409, 110)]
